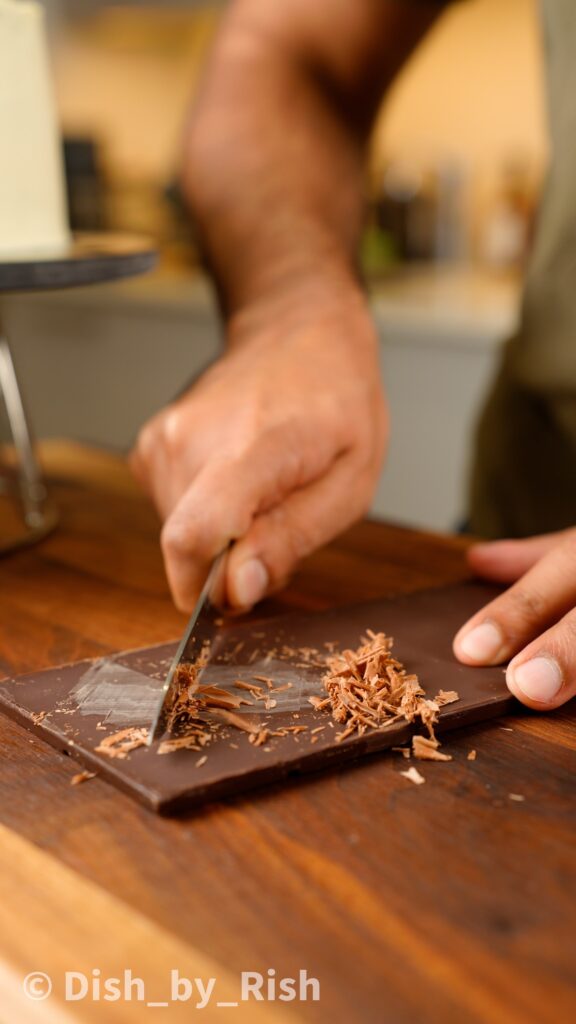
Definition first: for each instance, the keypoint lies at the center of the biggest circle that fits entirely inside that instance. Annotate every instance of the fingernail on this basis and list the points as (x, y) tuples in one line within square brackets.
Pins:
[(251, 582), (539, 679), (483, 643)]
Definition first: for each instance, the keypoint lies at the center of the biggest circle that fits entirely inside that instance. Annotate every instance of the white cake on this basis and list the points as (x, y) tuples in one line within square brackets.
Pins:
[(33, 219)]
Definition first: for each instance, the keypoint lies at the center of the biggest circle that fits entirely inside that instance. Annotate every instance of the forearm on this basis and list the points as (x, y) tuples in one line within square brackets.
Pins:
[(273, 176), (275, 152)]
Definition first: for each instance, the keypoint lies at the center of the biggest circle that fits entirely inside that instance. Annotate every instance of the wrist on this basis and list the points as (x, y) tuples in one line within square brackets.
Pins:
[(291, 303)]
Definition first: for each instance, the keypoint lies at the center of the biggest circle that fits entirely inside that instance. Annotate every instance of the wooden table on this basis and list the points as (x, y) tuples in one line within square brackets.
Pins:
[(443, 902)]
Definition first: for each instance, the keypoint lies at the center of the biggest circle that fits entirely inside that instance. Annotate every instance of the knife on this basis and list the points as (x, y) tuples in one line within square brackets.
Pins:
[(200, 631)]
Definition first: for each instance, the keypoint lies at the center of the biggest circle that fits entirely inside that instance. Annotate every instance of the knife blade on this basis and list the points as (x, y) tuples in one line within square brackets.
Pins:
[(200, 631)]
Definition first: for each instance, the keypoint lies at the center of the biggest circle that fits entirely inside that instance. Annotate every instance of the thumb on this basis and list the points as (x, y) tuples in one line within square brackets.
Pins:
[(262, 560), (505, 561)]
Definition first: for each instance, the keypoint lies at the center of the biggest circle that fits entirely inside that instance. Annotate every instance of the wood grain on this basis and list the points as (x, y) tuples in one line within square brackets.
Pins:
[(55, 895), (443, 902)]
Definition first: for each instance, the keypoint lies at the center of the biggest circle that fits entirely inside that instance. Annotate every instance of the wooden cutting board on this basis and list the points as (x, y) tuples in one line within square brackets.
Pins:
[(74, 707)]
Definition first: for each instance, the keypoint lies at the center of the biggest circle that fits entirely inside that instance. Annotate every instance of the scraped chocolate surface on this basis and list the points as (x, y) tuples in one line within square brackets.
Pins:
[(76, 707)]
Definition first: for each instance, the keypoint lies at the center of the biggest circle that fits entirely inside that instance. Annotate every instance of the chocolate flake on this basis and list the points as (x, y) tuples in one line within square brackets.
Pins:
[(264, 679), (414, 776), (120, 744), (179, 743), (216, 697), (366, 688), (81, 777), (252, 688), (39, 716), (446, 697), (369, 688), (426, 749), (238, 721)]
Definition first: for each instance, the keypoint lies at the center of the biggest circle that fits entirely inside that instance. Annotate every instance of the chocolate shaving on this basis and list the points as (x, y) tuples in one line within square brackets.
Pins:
[(261, 736), (258, 739), (81, 777), (180, 743), (264, 679), (369, 688), (365, 688), (120, 744), (215, 697), (238, 721), (414, 776), (39, 716), (446, 697), (252, 688), (426, 749)]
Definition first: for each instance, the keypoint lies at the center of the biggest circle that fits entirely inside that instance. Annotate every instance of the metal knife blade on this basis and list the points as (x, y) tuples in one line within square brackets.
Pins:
[(201, 630)]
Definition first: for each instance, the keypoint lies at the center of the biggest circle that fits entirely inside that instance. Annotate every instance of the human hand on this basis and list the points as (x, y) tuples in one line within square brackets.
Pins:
[(534, 622), (278, 446)]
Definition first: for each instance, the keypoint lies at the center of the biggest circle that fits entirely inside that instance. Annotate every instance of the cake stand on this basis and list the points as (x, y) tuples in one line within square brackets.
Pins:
[(89, 259)]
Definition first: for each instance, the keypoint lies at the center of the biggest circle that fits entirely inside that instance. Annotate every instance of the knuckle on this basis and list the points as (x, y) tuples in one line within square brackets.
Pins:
[(166, 432), (525, 604), (145, 442), (174, 435), (177, 539), (300, 542), (568, 625), (296, 541)]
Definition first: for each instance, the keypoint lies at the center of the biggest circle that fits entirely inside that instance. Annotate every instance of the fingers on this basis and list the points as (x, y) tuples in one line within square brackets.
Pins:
[(164, 460), (239, 459), (270, 551), (270, 540), (218, 507), (544, 594), (504, 561), (543, 676), (221, 505)]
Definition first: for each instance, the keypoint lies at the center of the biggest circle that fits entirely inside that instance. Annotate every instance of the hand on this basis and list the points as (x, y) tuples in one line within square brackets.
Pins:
[(535, 619), (277, 447)]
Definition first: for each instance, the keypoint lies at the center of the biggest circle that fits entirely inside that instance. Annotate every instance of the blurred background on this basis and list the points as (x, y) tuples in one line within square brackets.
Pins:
[(457, 160)]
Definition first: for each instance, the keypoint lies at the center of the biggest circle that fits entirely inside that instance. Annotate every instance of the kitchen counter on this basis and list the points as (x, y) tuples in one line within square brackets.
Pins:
[(447, 901), (454, 306), (464, 305)]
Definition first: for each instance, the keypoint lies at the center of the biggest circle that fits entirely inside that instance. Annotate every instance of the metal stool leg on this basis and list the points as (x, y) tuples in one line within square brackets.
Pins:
[(39, 516)]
